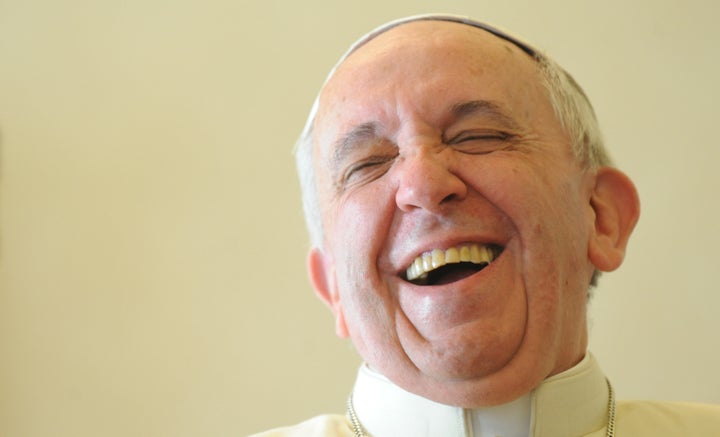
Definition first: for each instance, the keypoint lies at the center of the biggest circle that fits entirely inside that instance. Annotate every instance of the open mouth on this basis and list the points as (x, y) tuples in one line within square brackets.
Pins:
[(438, 266)]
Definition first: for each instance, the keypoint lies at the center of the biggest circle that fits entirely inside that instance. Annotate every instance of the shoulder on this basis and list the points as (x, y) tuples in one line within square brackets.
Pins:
[(667, 418), (331, 425)]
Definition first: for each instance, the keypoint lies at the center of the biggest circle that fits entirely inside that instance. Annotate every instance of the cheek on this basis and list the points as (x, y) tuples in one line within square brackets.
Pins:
[(555, 240), (360, 220), (545, 205), (360, 224), (543, 201), (368, 303)]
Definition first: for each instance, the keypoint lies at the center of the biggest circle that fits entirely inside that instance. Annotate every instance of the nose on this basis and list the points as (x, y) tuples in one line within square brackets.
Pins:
[(426, 181)]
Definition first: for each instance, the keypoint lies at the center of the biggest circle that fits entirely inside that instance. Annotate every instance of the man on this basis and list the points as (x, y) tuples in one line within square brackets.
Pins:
[(461, 204)]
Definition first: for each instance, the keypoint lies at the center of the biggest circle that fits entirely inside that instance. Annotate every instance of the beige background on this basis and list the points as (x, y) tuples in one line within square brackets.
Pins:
[(152, 249)]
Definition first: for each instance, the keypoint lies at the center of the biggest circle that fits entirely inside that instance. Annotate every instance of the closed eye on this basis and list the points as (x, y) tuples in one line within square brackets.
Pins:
[(479, 142), (367, 170)]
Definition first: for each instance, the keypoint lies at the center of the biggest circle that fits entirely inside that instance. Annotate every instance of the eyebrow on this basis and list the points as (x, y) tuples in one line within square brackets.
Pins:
[(359, 134), (484, 108)]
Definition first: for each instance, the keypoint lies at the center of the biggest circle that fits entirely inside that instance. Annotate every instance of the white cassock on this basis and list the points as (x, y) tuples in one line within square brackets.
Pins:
[(573, 403)]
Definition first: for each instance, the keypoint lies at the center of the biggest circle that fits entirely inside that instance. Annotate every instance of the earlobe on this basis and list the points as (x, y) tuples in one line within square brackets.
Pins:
[(616, 205), (322, 278)]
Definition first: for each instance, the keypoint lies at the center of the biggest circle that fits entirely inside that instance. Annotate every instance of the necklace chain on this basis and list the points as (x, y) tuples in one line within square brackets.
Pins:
[(360, 432), (611, 410), (354, 421)]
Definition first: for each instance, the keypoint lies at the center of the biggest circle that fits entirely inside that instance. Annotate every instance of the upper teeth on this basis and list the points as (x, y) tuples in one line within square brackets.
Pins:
[(429, 261)]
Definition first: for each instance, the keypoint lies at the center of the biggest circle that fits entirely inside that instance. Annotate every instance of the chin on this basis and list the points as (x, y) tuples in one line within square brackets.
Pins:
[(463, 368), (482, 382), (469, 355)]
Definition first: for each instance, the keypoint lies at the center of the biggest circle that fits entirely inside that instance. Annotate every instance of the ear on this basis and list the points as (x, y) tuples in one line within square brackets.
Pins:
[(322, 276), (615, 203)]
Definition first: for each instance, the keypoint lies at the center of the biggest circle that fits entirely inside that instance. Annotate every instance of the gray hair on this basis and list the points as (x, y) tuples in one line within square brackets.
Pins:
[(572, 108)]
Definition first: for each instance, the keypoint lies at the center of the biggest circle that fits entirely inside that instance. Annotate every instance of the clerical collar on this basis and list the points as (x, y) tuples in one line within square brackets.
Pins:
[(573, 402)]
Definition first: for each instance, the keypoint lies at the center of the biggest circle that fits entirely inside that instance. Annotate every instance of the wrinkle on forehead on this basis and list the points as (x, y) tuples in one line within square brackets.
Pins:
[(443, 42)]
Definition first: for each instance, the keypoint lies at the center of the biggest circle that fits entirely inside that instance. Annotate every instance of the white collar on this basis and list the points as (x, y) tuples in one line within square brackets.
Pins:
[(572, 403)]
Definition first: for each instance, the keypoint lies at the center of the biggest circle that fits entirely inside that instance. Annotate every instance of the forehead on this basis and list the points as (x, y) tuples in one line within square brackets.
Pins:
[(430, 37), (423, 60)]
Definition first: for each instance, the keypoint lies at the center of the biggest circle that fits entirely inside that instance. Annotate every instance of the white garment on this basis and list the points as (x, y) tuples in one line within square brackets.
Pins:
[(387, 410), (571, 404)]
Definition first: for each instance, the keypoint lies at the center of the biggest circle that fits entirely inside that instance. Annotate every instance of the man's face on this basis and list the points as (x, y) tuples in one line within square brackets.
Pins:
[(431, 138)]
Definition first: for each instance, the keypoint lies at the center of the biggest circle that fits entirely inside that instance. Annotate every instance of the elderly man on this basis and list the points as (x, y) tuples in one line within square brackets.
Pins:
[(461, 204)]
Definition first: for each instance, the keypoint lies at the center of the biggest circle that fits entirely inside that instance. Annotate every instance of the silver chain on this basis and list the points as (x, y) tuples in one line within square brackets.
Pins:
[(360, 432)]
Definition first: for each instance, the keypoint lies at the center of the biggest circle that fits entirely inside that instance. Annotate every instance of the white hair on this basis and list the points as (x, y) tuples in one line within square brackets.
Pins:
[(571, 106)]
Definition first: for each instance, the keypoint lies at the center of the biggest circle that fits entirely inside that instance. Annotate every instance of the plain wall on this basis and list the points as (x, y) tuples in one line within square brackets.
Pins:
[(152, 278)]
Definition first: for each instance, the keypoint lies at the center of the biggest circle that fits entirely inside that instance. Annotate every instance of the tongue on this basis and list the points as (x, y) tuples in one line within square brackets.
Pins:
[(453, 272)]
